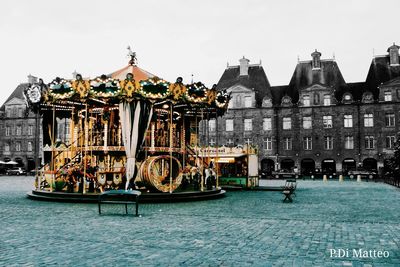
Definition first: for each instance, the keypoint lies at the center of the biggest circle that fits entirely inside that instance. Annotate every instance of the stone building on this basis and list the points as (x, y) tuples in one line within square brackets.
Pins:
[(317, 121), (17, 129)]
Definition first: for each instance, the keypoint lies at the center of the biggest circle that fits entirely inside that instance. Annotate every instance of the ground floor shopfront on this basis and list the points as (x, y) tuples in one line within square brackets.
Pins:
[(308, 166)]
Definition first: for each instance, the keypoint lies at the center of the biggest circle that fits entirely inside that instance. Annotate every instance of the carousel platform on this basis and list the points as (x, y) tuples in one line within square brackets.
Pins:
[(145, 197)]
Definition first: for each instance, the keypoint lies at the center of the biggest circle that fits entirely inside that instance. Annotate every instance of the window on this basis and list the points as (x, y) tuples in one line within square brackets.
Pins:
[(247, 102), (211, 125), (8, 112), (238, 101), (19, 130), (30, 130), (248, 124), (287, 143), (287, 123), (306, 101), (328, 142), (327, 121), (20, 111), (17, 146), (388, 96), (6, 147), (389, 120), (268, 143), (348, 121), (229, 125), (8, 131), (369, 120), (327, 100), (307, 143), (30, 146), (267, 124), (307, 123), (369, 142), (349, 142), (316, 99), (390, 142)]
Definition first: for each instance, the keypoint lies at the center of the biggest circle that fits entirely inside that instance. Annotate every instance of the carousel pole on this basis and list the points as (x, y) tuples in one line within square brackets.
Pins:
[(170, 150), (72, 131), (183, 146), (86, 131), (37, 141), (202, 154), (216, 152), (52, 150)]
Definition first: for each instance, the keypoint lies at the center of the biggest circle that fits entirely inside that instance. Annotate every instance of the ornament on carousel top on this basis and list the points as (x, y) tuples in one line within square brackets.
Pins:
[(222, 99), (33, 94), (129, 86), (81, 86), (154, 88), (196, 93), (177, 89), (60, 89), (104, 86), (212, 94)]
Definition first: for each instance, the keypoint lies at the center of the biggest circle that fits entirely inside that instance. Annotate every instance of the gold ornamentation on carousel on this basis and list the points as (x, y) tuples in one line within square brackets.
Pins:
[(211, 95), (177, 90), (82, 87), (128, 87)]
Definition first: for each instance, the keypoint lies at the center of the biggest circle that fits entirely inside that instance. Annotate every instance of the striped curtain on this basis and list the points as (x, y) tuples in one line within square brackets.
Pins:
[(135, 119)]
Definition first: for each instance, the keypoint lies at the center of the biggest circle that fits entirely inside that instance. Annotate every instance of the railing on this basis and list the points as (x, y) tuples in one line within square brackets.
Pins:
[(392, 180)]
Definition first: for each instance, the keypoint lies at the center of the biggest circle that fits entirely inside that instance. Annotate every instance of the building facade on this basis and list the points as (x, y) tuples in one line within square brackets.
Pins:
[(18, 129), (317, 121)]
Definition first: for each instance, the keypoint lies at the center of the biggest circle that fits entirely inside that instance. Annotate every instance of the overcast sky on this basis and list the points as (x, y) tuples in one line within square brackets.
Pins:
[(48, 38)]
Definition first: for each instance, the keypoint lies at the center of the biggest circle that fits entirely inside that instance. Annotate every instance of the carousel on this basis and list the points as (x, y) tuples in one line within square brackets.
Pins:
[(126, 130)]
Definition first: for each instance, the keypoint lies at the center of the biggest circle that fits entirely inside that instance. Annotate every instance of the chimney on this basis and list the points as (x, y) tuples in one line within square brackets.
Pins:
[(244, 66), (316, 59), (394, 55), (32, 79)]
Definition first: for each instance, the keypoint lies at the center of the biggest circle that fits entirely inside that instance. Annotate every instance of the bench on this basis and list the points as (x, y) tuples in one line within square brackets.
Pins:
[(120, 197), (288, 189)]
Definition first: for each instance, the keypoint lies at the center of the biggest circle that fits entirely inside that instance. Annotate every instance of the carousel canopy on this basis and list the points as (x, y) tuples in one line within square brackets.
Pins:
[(130, 83)]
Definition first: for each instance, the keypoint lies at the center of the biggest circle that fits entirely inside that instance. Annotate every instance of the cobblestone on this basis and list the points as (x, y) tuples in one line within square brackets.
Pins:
[(246, 228)]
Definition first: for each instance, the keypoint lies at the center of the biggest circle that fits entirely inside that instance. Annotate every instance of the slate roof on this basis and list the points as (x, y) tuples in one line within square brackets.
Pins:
[(380, 72), (328, 75), (18, 93), (256, 79)]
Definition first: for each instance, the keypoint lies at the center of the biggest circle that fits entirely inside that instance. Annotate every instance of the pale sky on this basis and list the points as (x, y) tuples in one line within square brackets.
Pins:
[(172, 38)]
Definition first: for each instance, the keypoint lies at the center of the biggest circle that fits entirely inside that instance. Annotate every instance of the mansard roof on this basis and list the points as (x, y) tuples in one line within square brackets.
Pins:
[(380, 72), (304, 75), (17, 93), (256, 80)]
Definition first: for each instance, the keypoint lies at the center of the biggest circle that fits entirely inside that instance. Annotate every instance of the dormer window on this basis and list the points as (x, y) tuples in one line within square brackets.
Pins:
[(327, 100), (347, 98), (247, 102), (316, 59), (388, 96), (306, 101)]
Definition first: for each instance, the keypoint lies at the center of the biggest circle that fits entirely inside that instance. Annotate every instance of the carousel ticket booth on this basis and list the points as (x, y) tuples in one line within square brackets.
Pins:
[(235, 166), (129, 129)]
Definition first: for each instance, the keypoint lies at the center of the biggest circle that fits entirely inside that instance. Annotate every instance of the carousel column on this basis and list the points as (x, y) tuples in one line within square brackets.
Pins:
[(72, 132), (216, 154), (152, 140), (170, 150), (86, 131), (202, 153), (182, 145), (37, 142), (52, 150)]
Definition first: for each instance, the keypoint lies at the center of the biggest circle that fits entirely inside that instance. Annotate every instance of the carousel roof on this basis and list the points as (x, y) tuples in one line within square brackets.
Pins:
[(138, 73)]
